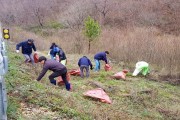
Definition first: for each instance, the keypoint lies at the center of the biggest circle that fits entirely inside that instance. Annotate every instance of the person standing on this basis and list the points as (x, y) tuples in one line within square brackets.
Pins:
[(100, 56), (27, 47), (84, 63), (57, 68)]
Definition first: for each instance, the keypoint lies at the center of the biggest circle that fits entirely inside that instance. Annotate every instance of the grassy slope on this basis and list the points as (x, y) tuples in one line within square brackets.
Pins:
[(26, 96)]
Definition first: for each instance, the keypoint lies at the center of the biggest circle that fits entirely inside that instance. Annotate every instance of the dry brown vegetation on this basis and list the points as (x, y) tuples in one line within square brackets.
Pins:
[(132, 30)]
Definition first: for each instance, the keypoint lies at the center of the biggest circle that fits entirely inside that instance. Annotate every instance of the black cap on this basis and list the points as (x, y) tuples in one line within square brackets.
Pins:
[(42, 58), (107, 52), (30, 40)]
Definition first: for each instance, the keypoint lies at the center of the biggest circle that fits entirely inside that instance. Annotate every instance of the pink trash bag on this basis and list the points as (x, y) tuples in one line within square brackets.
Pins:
[(99, 94), (120, 75)]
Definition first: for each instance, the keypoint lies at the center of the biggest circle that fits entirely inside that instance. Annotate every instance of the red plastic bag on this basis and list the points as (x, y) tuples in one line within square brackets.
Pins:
[(75, 72), (107, 67), (100, 94), (59, 80), (36, 57)]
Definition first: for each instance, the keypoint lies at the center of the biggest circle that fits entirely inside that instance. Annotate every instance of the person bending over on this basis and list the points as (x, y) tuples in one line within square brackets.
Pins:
[(57, 68)]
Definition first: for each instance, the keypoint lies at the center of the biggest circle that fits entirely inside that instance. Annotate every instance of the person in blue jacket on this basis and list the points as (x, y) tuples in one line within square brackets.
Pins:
[(100, 56), (52, 53), (27, 47), (56, 50), (84, 63)]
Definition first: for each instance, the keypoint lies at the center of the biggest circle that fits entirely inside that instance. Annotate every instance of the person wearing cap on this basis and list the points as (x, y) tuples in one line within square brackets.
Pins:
[(84, 63), (57, 68), (100, 56), (27, 47)]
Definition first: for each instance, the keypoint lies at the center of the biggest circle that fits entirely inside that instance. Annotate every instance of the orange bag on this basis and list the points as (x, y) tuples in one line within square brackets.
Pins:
[(59, 80), (75, 72), (35, 57), (107, 67)]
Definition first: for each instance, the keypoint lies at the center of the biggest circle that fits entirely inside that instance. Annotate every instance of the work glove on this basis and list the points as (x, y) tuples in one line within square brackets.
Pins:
[(17, 51), (48, 53), (91, 68)]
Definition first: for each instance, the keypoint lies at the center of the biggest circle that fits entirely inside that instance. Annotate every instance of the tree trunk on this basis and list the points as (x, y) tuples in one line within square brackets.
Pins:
[(89, 46)]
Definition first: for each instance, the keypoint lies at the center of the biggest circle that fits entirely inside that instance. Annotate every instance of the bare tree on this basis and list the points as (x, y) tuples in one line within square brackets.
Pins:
[(39, 15), (76, 13), (102, 8)]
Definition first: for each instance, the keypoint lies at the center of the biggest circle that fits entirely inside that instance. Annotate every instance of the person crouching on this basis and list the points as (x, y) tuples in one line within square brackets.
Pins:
[(57, 68), (84, 63)]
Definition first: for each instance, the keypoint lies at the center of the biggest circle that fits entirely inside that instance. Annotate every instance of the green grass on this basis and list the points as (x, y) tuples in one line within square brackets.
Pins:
[(161, 103), (47, 30)]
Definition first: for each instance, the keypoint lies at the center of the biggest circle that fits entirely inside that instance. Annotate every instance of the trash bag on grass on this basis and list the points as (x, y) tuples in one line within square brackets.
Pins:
[(99, 94), (120, 75)]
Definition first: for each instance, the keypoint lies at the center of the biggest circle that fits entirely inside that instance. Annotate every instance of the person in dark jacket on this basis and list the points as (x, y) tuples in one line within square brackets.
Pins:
[(52, 53), (84, 63), (27, 47), (57, 68), (100, 56), (55, 50)]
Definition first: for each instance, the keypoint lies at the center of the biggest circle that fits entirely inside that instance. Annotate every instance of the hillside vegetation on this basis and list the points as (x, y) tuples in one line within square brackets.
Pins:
[(131, 30), (134, 98)]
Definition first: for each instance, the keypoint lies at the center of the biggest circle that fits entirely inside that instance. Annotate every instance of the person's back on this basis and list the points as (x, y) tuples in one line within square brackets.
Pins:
[(57, 68), (84, 63), (53, 65), (100, 56)]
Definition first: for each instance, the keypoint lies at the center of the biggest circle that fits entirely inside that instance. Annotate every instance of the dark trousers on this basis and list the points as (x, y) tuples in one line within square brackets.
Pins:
[(61, 73), (82, 67)]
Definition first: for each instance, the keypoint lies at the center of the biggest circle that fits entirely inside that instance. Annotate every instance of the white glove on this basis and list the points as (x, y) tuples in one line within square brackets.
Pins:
[(17, 51), (36, 52), (49, 53)]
